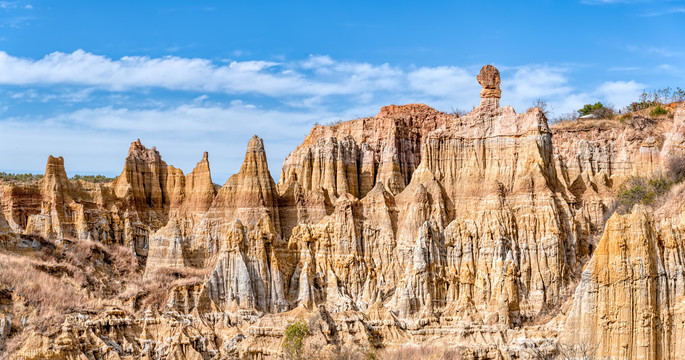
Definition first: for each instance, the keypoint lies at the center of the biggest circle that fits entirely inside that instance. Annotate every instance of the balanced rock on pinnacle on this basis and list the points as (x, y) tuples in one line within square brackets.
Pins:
[(489, 79)]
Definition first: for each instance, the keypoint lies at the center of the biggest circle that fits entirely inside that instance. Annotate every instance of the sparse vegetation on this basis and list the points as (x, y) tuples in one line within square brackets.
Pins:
[(92, 178), (650, 190), (20, 177), (293, 344), (550, 349), (75, 277), (458, 112), (659, 97), (334, 124), (28, 177), (653, 102), (564, 118), (414, 352), (658, 110), (154, 291), (543, 106), (36, 281)]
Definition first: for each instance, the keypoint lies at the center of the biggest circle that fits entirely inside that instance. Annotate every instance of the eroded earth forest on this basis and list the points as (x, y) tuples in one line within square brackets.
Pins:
[(488, 235)]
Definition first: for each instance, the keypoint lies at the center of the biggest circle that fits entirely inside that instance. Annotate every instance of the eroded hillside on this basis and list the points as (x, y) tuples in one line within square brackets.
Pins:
[(485, 233)]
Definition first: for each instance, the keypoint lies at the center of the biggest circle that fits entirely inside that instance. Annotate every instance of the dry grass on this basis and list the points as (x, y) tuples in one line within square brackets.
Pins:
[(672, 203), (414, 352), (578, 125), (78, 276), (660, 191), (154, 291), (52, 298), (75, 276), (82, 252), (103, 271)]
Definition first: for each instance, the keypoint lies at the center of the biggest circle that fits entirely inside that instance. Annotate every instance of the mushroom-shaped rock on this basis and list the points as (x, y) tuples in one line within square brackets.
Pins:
[(489, 79)]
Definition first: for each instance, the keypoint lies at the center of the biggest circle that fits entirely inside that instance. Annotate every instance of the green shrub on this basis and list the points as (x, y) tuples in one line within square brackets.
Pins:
[(92, 178), (598, 109), (647, 190), (295, 334), (658, 110)]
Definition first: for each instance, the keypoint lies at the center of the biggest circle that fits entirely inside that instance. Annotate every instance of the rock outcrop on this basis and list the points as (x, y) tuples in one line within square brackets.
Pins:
[(352, 156), (629, 302)]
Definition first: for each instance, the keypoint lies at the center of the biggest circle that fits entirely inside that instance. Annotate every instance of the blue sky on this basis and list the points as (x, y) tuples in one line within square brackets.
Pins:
[(83, 79)]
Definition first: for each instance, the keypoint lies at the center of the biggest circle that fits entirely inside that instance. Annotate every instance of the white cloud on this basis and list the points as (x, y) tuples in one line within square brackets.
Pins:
[(670, 11), (619, 93), (201, 98), (218, 107), (97, 138), (65, 95), (194, 74), (318, 62), (442, 81), (624, 68), (551, 84), (532, 82)]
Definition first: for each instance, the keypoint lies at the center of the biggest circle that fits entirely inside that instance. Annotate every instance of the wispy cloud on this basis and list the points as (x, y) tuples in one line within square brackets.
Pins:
[(304, 82), (194, 74), (605, 2), (624, 68), (99, 137), (667, 11), (654, 50), (100, 104), (15, 14), (619, 93)]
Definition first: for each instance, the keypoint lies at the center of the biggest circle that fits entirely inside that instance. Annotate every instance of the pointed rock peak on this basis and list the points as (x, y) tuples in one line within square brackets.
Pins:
[(202, 165), (256, 144), (201, 171), (255, 159), (138, 151), (199, 190), (420, 195)]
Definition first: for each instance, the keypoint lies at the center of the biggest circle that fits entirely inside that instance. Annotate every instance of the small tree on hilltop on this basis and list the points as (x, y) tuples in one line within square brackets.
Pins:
[(543, 106), (598, 109)]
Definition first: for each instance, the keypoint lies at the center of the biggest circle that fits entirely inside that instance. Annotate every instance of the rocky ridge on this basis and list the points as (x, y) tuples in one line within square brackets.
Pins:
[(413, 225)]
